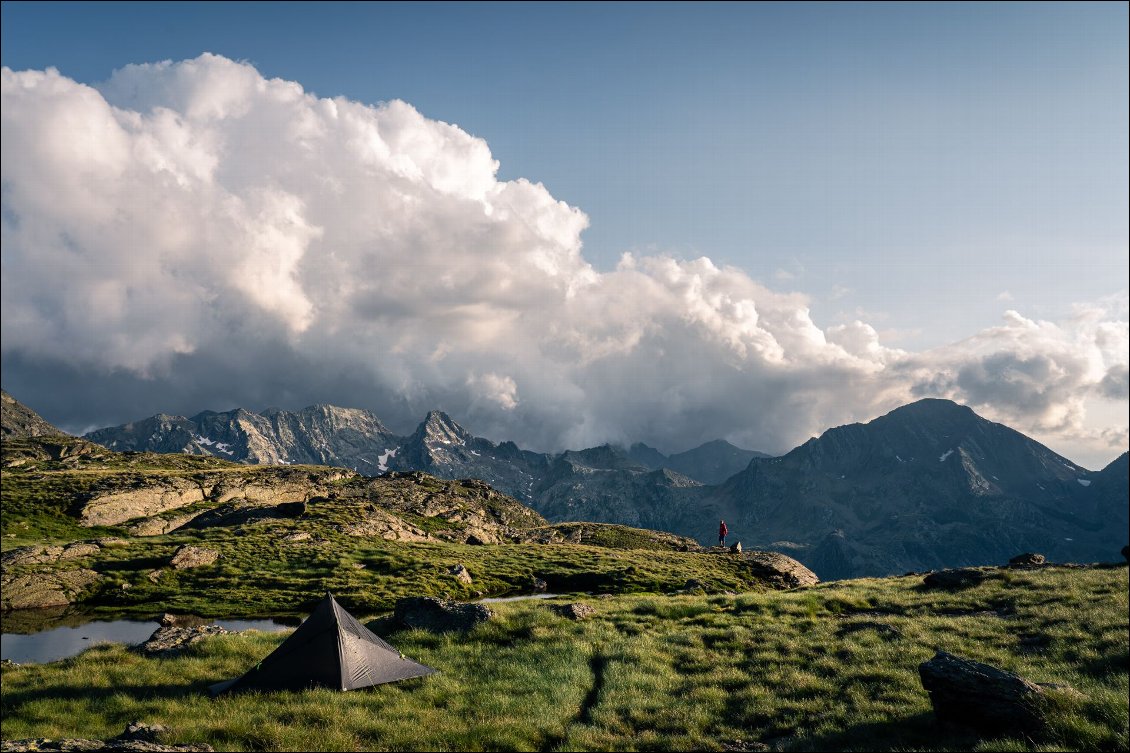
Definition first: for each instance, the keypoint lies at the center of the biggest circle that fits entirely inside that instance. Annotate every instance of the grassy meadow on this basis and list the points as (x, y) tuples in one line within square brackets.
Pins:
[(830, 667)]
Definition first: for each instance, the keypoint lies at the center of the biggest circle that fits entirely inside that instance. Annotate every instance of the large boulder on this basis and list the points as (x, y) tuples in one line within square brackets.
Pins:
[(951, 580), (172, 640), (1028, 559), (193, 556), (44, 588), (439, 615), (778, 570), (575, 612), (983, 697)]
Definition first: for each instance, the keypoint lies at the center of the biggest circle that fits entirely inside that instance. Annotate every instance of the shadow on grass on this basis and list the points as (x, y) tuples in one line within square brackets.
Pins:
[(917, 732)]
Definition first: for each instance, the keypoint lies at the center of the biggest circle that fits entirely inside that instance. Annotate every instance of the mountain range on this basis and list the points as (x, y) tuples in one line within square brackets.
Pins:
[(926, 486)]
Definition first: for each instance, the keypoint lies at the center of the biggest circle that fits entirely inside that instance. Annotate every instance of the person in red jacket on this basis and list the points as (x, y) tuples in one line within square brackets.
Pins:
[(722, 531)]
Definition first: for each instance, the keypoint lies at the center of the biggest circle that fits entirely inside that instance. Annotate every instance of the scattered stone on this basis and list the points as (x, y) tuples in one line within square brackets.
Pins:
[(78, 745), (297, 536), (575, 612), (193, 556), (39, 589), (1028, 559), (981, 696), (693, 584), (950, 580), (538, 585), (171, 640), (744, 746), (155, 575), (8, 663), (779, 570), (461, 574), (736, 547), (439, 615), (141, 731)]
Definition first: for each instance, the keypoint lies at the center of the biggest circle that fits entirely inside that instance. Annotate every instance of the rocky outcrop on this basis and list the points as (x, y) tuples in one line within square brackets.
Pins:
[(46, 555), (380, 524), (173, 640), (951, 580), (17, 420), (439, 615), (983, 697), (159, 526), (778, 570), (156, 496), (243, 511), (193, 556), (283, 489), (575, 612), (1028, 559), (44, 588)]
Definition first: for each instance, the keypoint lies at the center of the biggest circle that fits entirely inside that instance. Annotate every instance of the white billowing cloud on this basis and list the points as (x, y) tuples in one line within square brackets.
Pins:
[(220, 236)]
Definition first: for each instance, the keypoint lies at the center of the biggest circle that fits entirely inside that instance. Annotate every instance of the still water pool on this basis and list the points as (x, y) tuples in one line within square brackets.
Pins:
[(61, 642)]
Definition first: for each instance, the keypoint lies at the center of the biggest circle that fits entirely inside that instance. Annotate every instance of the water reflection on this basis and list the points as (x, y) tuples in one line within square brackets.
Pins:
[(50, 635)]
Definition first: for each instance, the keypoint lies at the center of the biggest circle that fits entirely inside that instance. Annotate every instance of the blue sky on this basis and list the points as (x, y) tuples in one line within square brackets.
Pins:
[(912, 162), (920, 167)]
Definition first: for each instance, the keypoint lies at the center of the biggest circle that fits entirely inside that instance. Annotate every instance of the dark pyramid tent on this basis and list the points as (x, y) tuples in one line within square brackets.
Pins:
[(330, 649)]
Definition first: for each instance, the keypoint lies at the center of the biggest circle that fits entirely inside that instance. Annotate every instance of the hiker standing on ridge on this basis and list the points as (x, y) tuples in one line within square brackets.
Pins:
[(722, 531)]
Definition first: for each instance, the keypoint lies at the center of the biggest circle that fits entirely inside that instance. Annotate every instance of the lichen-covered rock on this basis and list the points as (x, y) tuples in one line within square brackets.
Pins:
[(575, 612), (778, 570), (439, 615), (45, 588), (983, 697), (160, 526), (142, 731), (172, 640), (112, 508), (461, 574), (949, 580), (1028, 559), (382, 525), (45, 555), (193, 556)]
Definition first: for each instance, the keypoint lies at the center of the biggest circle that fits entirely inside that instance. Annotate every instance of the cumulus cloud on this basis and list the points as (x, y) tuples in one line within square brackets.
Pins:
[(192, 234)]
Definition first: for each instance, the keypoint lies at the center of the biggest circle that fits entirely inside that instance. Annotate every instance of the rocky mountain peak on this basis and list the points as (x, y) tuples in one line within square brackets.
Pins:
[(440, 428), (18, 420)]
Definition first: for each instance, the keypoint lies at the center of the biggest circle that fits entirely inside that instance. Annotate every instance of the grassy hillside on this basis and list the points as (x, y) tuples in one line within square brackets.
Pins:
[(828, 667), (277, 566)]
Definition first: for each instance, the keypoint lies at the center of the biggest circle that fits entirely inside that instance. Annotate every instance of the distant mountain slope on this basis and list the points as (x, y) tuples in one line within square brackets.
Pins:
[(929, 485), (445, 449), (709, 463), (319, 434), (17, 420)]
